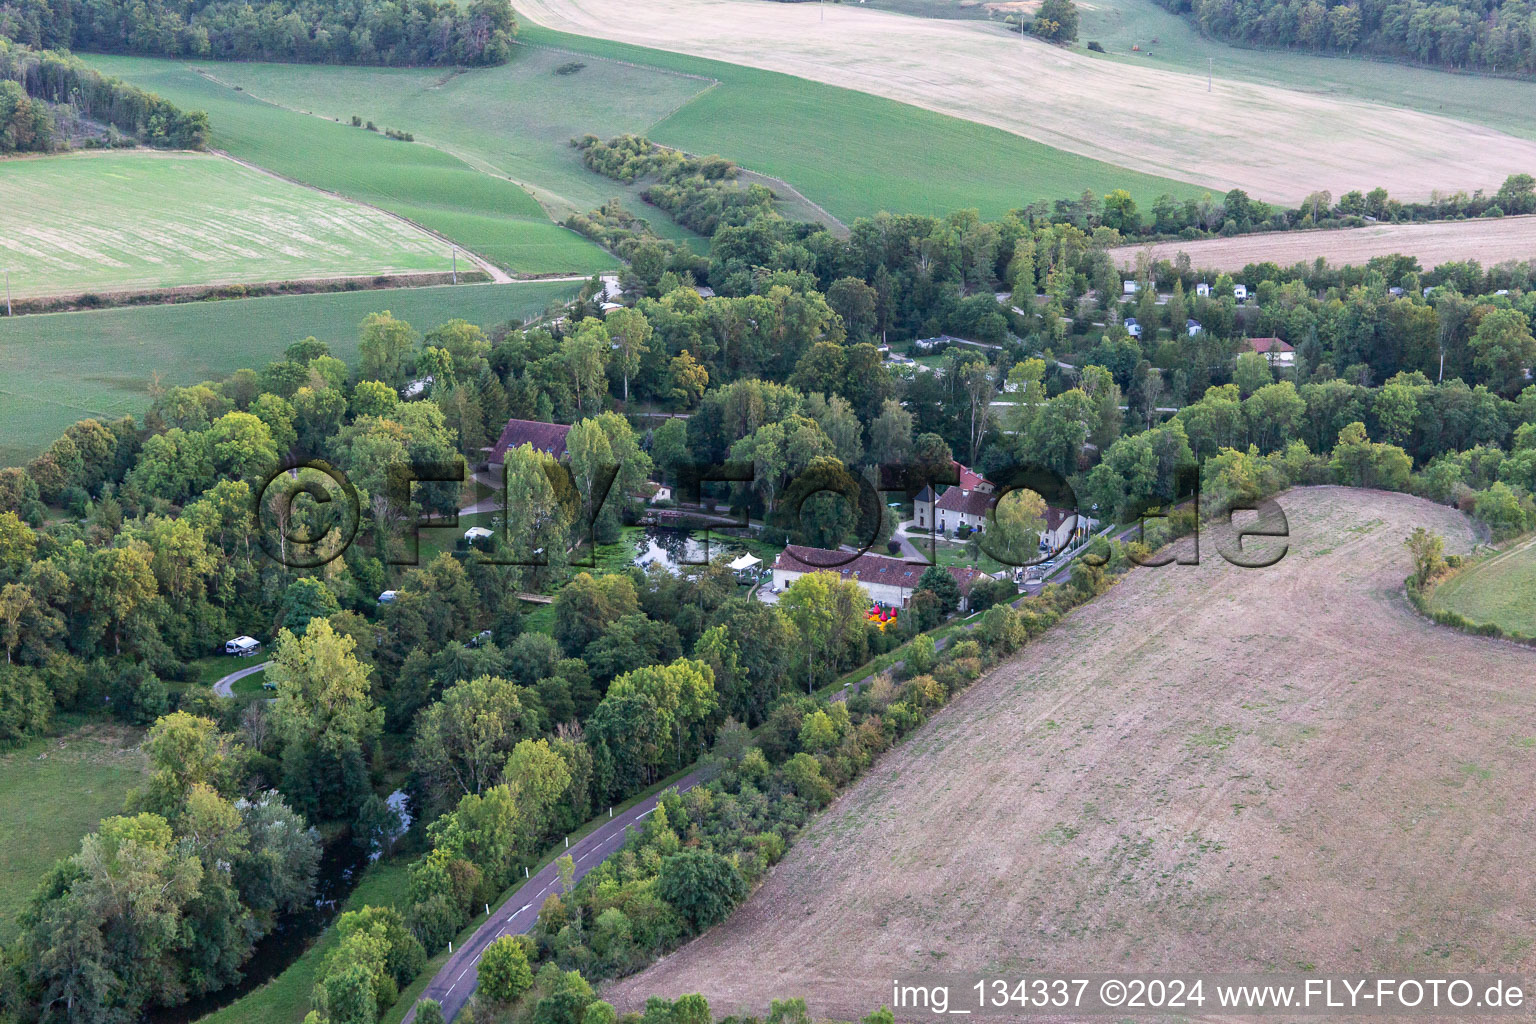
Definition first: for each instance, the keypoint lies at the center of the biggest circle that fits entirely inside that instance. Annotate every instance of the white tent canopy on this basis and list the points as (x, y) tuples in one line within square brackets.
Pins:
[(745, 562)]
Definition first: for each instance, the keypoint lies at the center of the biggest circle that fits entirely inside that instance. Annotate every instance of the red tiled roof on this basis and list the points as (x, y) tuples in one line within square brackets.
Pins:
[(975, 503), (969, 478), (894, 572), (545, 437), (1266, 345), (965, 577)]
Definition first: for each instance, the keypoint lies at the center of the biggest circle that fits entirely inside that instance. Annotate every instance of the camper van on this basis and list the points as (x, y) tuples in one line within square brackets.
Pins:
[(242, 646)]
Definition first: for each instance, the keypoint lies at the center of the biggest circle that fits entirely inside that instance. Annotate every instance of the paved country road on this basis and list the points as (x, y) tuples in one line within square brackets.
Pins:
[(222, 687), (455, 982)]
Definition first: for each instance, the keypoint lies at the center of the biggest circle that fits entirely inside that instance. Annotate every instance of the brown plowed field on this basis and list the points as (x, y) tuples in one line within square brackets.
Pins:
[(1487, 241), (1206, 769)]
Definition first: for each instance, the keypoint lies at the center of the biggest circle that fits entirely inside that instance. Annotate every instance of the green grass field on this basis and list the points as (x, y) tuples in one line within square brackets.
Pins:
[(58, 368), (857, 154), (851, 153), (1500, 103), (53, 791), (228, 223), (1500, 591), (516, 120), (485, 213)]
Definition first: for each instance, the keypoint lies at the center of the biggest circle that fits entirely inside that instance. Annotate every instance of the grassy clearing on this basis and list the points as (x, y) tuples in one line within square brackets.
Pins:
[(57, 368), (857, 154), (1500, 591), (53, 791), (228, 223), (483, 212)]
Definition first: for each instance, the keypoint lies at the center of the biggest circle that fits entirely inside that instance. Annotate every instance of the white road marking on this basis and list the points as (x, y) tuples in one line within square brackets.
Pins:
[(461, 975), (645, 813)]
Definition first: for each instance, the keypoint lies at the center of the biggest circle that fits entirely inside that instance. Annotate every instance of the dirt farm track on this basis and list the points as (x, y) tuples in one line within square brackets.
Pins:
[(1206, 769), (1490, 242)]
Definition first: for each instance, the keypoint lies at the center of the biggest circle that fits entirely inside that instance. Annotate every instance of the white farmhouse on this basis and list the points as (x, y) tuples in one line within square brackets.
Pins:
[(889, 581)]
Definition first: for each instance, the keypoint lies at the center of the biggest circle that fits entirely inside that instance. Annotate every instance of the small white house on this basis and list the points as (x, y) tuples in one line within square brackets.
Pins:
[(388, 596), (1279, 353), (1240, 292), (1129, 287), (475, 533), (1132, 327), (242, 646), (1192, 327), (1203, 289)]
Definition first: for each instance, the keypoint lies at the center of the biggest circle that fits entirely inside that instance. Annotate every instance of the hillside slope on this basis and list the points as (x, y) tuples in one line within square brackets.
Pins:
[(1277, 143), (1208, 768)]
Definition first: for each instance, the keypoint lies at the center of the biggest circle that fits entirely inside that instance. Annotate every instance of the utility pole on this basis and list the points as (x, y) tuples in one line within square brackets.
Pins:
[(455, 264)]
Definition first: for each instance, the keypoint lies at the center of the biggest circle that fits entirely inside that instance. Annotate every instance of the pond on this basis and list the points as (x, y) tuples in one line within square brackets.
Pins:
[(676, 549)]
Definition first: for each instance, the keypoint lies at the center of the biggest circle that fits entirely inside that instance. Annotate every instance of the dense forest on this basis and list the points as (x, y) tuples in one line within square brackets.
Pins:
[(129, 548), (1476, 35), (391, 32), (38, 88)]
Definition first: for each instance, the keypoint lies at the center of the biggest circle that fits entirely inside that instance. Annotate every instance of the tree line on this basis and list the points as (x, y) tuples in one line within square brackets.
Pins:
[(389, 32), (1481, 35), (35, 83)]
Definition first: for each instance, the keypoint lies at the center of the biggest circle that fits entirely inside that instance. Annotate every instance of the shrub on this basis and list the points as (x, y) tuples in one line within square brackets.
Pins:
[(702, 886)]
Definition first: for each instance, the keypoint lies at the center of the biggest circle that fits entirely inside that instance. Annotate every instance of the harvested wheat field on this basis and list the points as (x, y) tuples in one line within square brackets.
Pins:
[(1489, 242), (1205, 769), (1277, 143)]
